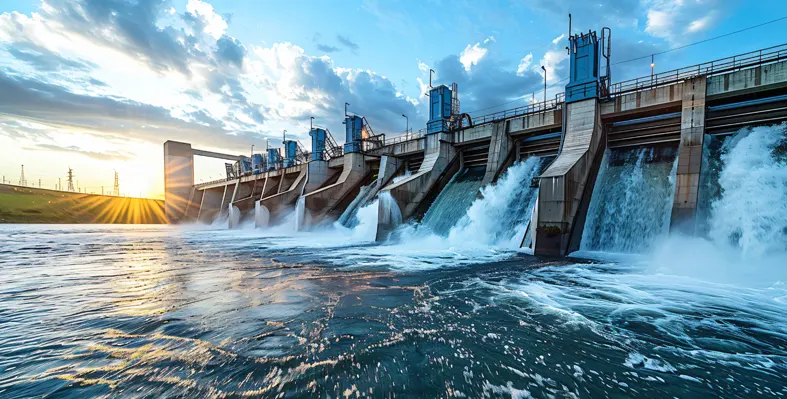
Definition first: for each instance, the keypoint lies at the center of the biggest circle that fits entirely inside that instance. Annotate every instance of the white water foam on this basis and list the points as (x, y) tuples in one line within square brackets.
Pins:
[(631, 205), (751, 214)]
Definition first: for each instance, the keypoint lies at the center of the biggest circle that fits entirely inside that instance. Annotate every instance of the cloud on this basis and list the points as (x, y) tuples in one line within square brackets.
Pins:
[(344, 41), (674, 21), (524, 64), (31, 100), (230, 50), (308, 86), (552, 61), (322, 46), (699, 24), (326, 48), (45, 60), (488, 84), (213, 24), (558, 39), (472, 55), (589, 14), (101, 156)]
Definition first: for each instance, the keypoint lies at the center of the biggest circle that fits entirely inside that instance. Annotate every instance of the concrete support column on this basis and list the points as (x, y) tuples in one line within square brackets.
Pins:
[(499, 147), (318, 174), (178, 179), (562, 185), (388, 166), (692, 132), (406, 195), (210, 204)]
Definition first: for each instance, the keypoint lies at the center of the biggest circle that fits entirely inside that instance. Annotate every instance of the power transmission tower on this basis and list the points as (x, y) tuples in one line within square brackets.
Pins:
[(22, 180), (70, 179), (116, 189)]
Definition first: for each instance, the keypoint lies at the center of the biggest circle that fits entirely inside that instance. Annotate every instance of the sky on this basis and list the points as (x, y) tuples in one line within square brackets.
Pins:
[(99, 85)]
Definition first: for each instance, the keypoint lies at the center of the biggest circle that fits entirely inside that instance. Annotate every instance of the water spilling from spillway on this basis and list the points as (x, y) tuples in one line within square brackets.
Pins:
[(750, 213), (631, 205), (453, 201)]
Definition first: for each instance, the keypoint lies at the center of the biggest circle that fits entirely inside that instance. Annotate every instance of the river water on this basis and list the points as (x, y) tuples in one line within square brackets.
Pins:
[(93, 311), (190, 311)]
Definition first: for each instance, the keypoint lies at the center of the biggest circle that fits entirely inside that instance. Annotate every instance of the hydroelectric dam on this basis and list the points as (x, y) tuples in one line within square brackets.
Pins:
[(603, 166)]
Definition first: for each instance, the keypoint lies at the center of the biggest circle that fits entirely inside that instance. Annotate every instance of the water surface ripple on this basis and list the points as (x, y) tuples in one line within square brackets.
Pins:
[(170, 312)]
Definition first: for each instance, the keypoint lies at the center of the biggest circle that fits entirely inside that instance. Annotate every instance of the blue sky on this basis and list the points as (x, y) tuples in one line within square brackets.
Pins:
[(99, 85)]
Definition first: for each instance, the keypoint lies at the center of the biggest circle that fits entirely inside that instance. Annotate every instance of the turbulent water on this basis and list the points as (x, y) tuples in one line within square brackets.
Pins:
[(453, 201), (124, 311), (632, 201)]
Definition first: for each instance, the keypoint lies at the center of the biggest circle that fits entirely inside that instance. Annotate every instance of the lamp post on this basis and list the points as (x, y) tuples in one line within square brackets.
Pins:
[(407, 124), (652, 66), (545, 84)]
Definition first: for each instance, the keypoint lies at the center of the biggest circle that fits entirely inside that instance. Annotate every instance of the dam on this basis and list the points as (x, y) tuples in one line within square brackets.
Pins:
[(603, 166)]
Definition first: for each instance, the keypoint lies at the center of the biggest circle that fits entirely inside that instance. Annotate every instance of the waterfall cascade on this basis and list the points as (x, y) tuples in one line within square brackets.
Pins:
[(453, 201), (349, 217), (501, 215), (632, 200), (389, 209), (233, 216), (750, 212), (261, 215)]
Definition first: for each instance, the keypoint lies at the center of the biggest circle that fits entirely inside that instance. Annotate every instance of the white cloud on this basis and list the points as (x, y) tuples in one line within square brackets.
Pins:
[(558, 39), (471, 55), (551, 62), (215, 25), (422, 66), (674, 20), (524, 64), (699, 24)]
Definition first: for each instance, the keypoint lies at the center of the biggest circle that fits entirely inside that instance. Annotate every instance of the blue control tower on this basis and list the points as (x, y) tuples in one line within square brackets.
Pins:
[(585, 60), (353, 125), (273, 158), (258, 163), (440, 109), (318, 143), (290, 153)]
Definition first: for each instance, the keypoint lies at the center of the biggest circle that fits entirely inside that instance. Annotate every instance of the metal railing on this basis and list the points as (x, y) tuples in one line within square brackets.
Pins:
[(534, 108), (723, 65), (404, 137)]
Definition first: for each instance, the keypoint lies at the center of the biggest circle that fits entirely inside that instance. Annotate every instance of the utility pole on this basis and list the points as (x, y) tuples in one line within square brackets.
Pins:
[(116, 187), (22, 180), (70, 180)]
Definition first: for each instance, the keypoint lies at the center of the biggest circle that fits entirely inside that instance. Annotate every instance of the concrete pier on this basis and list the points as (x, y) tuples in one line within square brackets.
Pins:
[(562, 185), (692, 132), (323, 201), (408, 193)]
